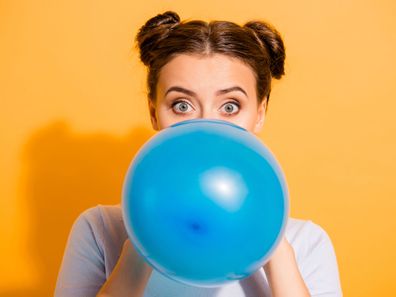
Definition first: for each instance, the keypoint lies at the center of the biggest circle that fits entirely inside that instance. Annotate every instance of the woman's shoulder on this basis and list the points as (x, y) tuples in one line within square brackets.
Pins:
[(107, 219), (315, 256), (308, 239), (108, 215), (100, 209), (303, 228), (105, 225)]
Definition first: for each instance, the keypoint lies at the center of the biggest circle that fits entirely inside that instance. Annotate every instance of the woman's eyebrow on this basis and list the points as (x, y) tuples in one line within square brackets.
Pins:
[(219, 92), (235, 88)]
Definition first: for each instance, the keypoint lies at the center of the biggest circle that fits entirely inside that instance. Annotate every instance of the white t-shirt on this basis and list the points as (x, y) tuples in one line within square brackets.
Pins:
[(98, 234)]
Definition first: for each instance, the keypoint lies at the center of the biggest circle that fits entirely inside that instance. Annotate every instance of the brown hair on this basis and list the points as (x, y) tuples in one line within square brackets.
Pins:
[(256, 43)]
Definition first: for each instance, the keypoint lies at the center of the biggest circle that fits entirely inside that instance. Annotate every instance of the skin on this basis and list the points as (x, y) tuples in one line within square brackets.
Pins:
[(199, 79)]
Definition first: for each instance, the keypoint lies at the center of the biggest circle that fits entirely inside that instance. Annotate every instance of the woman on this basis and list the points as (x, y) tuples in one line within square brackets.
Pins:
[(218, 70)]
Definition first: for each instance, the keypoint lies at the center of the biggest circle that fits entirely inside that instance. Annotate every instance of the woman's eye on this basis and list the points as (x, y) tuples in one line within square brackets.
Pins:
[(231, 107), (181, 106)]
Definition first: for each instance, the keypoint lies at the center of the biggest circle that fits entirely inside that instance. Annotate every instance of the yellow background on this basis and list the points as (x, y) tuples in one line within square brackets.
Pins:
[(73, 113)]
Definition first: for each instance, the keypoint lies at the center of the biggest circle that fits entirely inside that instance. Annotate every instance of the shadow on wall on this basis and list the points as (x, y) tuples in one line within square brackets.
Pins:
[(64, 174)]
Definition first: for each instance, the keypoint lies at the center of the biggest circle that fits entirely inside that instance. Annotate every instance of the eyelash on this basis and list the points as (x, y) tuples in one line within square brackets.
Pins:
[(232, 101)]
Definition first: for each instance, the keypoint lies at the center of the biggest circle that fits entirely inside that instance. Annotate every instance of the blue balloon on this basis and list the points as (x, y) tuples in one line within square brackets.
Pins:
[(205, 202)]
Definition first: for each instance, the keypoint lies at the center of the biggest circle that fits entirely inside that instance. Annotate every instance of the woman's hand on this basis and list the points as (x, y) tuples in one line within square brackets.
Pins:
[(282, 272), (129, 277)]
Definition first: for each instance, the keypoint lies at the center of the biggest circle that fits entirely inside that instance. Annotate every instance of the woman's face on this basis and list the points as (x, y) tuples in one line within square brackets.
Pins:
[(215, 87)]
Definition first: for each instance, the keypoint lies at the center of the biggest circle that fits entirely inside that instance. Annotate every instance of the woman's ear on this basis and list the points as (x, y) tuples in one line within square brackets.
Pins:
[(260, 116), (153, 114)]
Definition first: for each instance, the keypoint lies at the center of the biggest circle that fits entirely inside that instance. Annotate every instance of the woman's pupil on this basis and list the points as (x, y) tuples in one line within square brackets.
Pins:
[(183, 106)]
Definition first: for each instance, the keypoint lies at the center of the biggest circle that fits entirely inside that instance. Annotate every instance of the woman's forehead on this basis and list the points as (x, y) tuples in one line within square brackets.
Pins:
[(214, 72)]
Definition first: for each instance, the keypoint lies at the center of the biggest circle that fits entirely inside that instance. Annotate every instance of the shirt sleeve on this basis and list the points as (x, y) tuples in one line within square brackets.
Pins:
[(319, 268), (82, 272)]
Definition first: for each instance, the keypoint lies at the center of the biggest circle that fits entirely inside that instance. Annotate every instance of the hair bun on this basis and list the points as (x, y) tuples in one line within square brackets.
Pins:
[(153, 31), (270, 39), (167, 18)]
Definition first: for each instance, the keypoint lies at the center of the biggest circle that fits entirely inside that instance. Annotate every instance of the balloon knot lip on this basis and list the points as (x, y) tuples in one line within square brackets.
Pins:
[(214, 121)]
